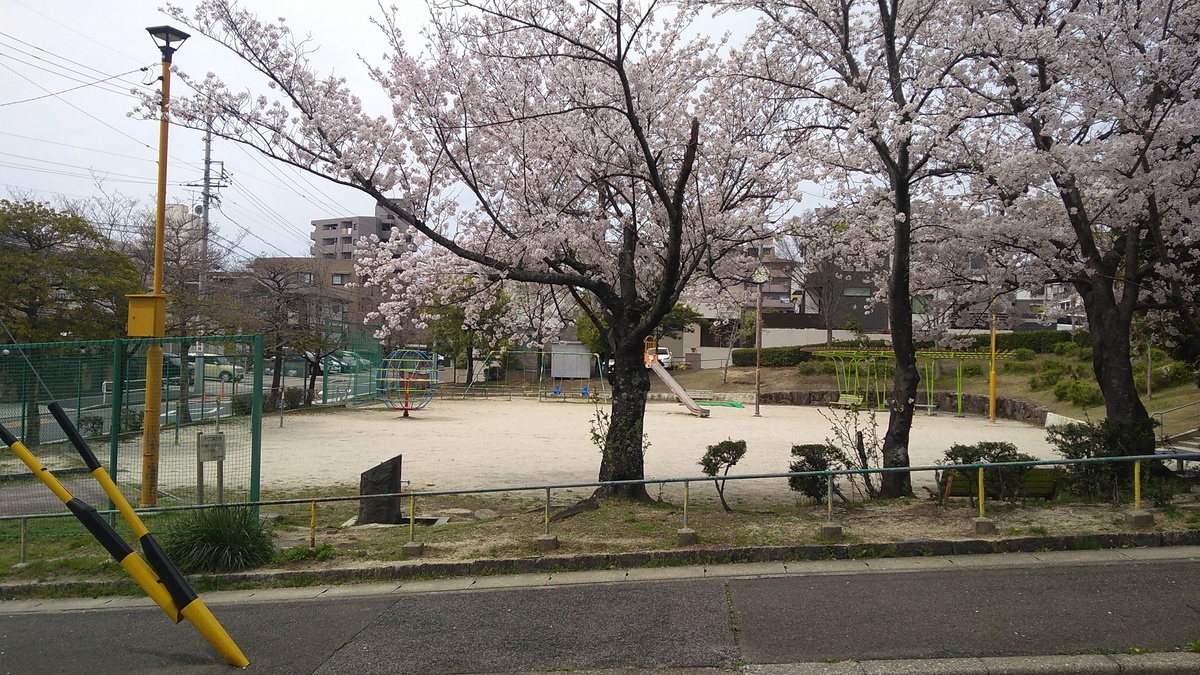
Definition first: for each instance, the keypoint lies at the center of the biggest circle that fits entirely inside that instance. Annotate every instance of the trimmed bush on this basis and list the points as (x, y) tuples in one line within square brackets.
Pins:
[(242, 404), (1025, 354), (812, 457), (720, 458), (1004, 482), (972, 370), (1078, 392), (218, 540), (1045, 380), (1066, 349), (772, 357), (1020, 367), (1040, 341)]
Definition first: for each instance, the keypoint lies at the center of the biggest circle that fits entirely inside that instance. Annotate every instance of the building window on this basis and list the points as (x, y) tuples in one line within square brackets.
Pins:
[(341, 279), (306, 277), (347, 255), (330, 226), (856, 292), (327, 255), (347, 240), (385, 226), (329, 241)]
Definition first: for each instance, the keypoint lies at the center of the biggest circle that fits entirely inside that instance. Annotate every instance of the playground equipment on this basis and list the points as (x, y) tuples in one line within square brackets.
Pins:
[(563, 373), (651, 356), (407, 380), (862, 374)]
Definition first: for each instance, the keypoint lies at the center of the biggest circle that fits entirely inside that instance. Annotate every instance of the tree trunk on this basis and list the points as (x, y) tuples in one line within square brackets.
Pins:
[(183, 410), (623, 455), (33, 419), (906, 376), (277, 377), (1109, 324)]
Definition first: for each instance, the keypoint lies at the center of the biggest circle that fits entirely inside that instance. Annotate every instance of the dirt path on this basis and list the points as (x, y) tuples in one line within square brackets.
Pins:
[(470, 444)]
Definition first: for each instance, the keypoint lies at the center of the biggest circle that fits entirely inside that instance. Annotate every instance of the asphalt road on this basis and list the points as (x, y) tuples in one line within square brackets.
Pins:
[(686, 618)]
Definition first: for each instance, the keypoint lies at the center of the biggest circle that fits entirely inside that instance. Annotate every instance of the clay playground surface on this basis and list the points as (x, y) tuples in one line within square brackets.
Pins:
[(466, 444)]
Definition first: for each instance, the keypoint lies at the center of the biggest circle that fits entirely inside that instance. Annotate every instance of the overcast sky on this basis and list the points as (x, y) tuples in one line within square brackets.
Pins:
[(68, 143)]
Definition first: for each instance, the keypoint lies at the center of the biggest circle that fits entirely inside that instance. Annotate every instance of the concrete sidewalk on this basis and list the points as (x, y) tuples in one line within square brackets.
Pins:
[(956, 614)]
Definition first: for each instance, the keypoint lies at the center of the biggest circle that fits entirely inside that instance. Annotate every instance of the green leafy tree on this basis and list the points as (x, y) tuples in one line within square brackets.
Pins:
[(462, 338), (59, 277), (675, 323)]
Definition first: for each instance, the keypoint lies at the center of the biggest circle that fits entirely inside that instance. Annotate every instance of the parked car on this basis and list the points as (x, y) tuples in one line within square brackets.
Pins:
[(353, 363), (218, 367), (663, 354), (171, 369)]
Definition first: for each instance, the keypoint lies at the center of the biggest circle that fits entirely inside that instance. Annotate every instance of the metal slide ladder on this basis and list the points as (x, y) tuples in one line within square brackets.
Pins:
[(679, 391)]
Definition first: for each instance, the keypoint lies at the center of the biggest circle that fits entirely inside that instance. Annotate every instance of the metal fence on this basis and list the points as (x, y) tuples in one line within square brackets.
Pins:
[(210, 420), (19, 527)]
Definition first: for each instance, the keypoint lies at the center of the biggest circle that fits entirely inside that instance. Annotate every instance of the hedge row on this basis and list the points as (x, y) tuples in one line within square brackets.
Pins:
[(772, 356), (1040, 341)]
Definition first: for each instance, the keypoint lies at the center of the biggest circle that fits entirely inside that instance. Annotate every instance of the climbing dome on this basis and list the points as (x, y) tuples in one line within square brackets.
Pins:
[(407, 380)]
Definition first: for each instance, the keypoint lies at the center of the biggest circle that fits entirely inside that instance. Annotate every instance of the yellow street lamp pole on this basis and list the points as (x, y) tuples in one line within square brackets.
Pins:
[(992, 377), (148, 313)]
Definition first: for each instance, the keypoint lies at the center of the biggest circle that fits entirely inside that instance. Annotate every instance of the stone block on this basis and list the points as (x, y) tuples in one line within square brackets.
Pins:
[(383, 478), (687, 537), (831, 532), (547, 543), (1139, 519), (984, 525), (413, 549)]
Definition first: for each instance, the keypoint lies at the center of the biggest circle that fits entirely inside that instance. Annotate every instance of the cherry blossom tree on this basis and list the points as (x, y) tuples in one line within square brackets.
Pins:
[(1095, 106), (586, 157), (878, 98)]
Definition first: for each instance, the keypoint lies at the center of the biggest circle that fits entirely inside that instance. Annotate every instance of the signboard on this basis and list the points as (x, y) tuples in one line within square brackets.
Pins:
[(210, 447)]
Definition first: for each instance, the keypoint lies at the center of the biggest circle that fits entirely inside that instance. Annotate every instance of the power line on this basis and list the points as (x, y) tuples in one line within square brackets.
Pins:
[(83, 35), (86, 84)]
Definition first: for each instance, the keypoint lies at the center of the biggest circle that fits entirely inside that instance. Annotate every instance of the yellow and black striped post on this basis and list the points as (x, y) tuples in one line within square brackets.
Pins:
[(190, 606), (100, 529)]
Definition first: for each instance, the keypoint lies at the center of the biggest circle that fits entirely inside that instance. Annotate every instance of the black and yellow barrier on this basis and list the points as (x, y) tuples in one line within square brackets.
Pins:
[(161, 580)]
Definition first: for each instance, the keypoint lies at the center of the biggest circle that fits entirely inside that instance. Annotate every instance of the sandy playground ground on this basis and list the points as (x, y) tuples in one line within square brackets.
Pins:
[(462, 444)]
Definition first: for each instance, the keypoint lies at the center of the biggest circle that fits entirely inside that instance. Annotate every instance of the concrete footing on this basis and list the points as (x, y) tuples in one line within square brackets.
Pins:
[(984, 525), (687, 537), (831, 532), (1139, 519), (547, 543), (413, 549)]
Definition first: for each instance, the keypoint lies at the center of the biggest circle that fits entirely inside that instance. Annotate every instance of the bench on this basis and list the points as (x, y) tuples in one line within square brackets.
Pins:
[(847, 401), (700, 394), (1035, 483)]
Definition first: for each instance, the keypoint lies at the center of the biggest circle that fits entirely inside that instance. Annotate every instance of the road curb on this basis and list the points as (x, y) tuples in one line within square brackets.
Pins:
[(1089, 664), (429, 569)]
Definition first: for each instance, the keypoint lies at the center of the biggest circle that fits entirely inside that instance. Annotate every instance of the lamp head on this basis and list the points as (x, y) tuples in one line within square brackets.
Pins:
[(168, 39)]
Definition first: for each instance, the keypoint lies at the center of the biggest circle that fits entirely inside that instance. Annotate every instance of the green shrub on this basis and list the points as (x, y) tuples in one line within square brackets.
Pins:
[(720, 458), (293, 397), (1108, 438), (1019, 367), (1005, 482), (218, 540), (1066, 349), (1085, 354), (242, 404), (812, 457), (1045, 380), (1170, 374), (90, 425), (972, 370), (1082, 338), (1024, 354), (772, 357), (131, 420), (1079, 393), (1049, 365), (1161, 491), (302, 553), (1040, 341)]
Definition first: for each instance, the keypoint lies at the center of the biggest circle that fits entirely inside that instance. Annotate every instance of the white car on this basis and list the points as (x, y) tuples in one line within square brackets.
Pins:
[(663, 355)]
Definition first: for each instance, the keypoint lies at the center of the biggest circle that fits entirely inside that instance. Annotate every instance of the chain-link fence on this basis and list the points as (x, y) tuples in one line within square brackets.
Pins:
[(210, 419)]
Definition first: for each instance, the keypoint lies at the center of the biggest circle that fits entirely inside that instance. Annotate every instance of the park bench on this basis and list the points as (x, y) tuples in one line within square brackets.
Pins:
[(847, 401), (1035, 483), (700, 394)]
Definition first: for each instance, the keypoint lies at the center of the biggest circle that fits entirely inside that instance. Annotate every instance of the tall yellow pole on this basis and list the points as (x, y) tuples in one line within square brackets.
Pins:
[(147, 314), (992, 376), (154, 355)]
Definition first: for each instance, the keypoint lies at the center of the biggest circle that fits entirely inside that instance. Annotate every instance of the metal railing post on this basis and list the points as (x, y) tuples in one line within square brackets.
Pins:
[(829, 496), (412, 518), (1137, 485), (685, 503), (981, 492), (546, 519), (312, 527), (24, 532)]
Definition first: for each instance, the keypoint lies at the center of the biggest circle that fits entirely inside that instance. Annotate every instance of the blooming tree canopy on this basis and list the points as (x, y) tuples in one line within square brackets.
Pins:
[(587, 156), (1095, 106)]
